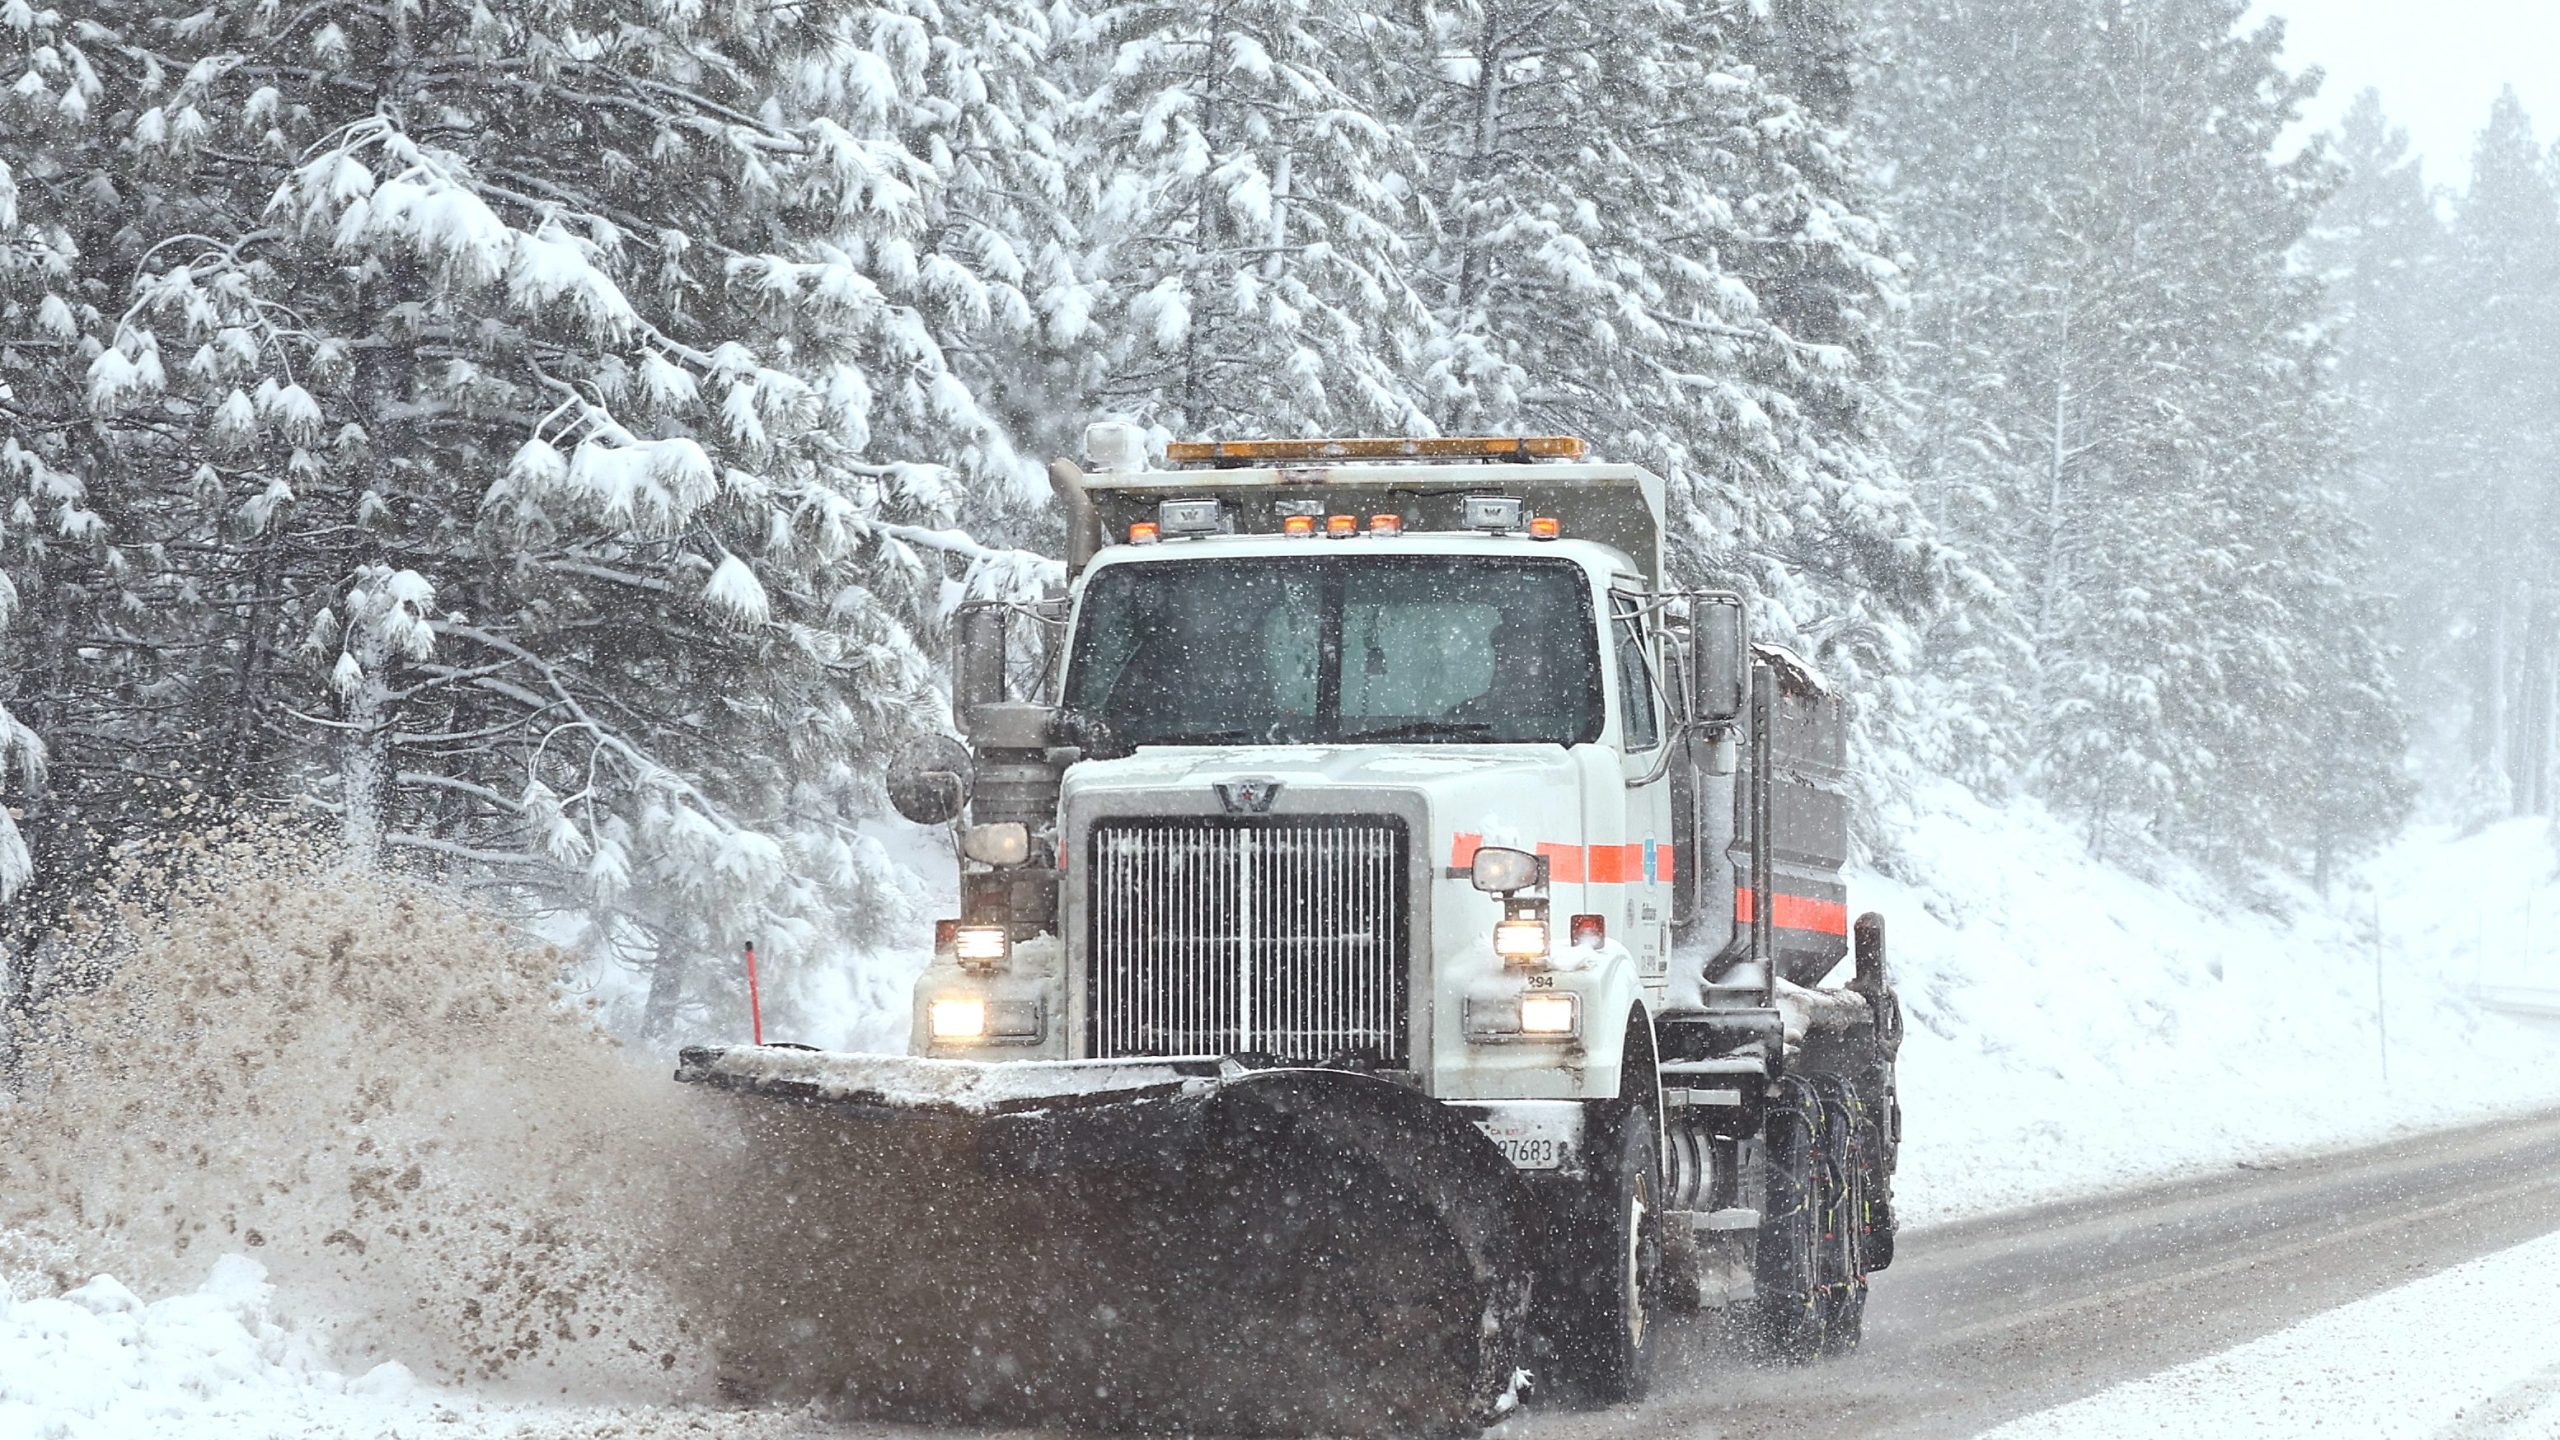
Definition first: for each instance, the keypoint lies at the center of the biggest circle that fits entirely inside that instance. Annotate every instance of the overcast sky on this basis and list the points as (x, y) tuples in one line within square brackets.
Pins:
[(2438, 63)]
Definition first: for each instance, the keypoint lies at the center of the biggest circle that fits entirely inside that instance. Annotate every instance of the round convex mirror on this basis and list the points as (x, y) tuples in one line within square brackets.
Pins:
[(929, 781)]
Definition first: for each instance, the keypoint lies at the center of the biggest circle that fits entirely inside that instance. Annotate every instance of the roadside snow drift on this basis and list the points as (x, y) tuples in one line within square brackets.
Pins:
[(2074, 1027)]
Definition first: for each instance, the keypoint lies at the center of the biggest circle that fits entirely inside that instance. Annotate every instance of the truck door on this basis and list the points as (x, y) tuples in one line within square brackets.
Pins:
[(1645, 842)]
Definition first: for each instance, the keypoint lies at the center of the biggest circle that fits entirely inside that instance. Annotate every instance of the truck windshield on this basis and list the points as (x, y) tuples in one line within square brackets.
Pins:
[(1337, 649)]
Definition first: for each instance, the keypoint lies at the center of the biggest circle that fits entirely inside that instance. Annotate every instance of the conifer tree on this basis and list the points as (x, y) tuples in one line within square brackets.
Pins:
[(2385, 258), (550, 431), (1251, 223), (2128, 402), (1645, 239), (2504, 365)]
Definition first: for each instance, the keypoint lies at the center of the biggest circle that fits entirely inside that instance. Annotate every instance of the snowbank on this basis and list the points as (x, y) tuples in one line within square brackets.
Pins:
[(97, 1361), (2074, 1027), (216, 1363)]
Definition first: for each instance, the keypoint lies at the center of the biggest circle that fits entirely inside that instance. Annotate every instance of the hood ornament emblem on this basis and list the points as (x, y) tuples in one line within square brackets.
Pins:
[(1248, 797)]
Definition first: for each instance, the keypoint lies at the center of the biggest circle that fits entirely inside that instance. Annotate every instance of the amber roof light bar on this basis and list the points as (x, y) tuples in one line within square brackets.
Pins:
[(1453, 447)]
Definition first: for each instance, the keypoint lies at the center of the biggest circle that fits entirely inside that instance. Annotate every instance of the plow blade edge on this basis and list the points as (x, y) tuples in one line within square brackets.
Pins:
[(1184, 1244)]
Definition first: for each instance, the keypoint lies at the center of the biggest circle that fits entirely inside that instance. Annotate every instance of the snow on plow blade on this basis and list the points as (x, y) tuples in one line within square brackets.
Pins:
[(1181, 1244)]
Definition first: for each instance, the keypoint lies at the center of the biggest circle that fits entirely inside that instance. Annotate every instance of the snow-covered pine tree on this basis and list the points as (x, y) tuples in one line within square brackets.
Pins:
[(74, 683), (989, 96), (2504, 402), (1645, 239), (1252, 219), (2135, 423), (2386, 260), (556, 417)]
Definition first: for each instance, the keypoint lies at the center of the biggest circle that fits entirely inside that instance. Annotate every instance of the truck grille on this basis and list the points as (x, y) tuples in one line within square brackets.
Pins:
[(1278, 937)]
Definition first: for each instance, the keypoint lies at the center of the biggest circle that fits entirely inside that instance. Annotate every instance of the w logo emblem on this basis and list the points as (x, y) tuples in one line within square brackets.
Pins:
[(1248, 797)]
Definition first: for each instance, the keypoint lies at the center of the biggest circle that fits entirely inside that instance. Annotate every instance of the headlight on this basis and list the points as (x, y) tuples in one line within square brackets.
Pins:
[(1005, 844), (1536, 1017), (959, 1018), (1549, 1012), (1519, 941), (980, 944)]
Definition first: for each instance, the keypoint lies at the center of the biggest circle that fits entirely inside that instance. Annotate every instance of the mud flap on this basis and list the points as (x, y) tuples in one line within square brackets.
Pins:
[(1184, 1246)]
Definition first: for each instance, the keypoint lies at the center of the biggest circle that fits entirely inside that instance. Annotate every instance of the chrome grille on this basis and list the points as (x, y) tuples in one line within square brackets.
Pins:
[(1278, 937)]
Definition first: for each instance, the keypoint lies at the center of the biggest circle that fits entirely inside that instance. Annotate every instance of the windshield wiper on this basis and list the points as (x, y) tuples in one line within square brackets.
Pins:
[(1204, 737), (1424, 730)]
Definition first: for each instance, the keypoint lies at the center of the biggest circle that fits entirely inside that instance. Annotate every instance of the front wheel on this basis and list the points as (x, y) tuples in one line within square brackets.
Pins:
[(1606, 1268)]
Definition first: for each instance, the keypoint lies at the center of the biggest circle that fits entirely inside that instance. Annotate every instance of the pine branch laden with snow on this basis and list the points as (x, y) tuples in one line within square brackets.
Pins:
[(1253, 217), (22, 771), (518, 429)]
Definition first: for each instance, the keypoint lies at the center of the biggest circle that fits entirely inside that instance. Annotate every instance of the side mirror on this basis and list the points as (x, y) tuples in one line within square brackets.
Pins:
[(1721, 669), (1500, 871), (977, 660), (929, 781)]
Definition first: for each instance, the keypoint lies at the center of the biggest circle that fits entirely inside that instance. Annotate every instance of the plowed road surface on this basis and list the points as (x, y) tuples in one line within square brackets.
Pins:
[(1993, 1319)]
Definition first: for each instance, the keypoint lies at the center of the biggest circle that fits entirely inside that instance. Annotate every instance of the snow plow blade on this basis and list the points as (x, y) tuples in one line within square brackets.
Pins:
[(1175, 1244)]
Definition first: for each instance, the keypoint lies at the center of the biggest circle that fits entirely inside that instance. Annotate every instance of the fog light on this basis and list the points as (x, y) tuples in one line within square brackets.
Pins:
[(1517, 941), (1549, 1012), (979, 944), (958, 1018)]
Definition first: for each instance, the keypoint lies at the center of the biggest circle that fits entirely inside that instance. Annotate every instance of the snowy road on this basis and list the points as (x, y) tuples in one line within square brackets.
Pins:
[(1995, 1319)]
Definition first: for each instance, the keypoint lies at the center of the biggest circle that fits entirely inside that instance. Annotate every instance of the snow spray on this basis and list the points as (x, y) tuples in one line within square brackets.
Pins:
[(377, 1094)]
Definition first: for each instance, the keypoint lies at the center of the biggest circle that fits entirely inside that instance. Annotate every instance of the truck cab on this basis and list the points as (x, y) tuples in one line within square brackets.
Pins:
[(1290, 707)]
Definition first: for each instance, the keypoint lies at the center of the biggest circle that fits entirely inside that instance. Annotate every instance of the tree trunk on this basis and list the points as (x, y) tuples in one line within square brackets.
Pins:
[(666, 992)]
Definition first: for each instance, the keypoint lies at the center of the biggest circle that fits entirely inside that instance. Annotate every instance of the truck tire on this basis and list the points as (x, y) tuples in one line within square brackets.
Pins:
[(1844, 1220), (1810, 1270), (1604, 1271)]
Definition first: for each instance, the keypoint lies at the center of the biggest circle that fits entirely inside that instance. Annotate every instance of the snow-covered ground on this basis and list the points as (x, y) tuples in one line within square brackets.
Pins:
[(2073, 1027), (2468, 1352), (219, 1362)]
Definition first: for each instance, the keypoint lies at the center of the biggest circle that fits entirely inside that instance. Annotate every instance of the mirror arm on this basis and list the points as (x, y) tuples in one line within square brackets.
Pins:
[(1681, 730)]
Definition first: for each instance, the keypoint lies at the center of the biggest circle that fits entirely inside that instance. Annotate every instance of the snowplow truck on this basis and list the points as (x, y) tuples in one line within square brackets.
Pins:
[(1403, 957)]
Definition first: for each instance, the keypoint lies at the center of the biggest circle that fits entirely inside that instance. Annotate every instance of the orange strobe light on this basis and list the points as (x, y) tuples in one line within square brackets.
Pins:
[(1386, 524), (1143, 533), (1298, 525), (1545, 527), (1341, 526)]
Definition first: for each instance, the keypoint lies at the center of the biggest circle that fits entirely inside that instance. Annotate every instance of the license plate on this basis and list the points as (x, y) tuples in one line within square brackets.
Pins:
[(1532, 1134), (1530, 1152)]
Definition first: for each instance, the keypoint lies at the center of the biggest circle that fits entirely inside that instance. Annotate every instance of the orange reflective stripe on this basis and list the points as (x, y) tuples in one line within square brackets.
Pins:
[(1617, 864), (1564, 863), (1579, 864), (1795, 912)]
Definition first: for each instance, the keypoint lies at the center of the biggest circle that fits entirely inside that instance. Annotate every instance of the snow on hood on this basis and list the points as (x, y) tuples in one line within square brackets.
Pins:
[(1366, 766)]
